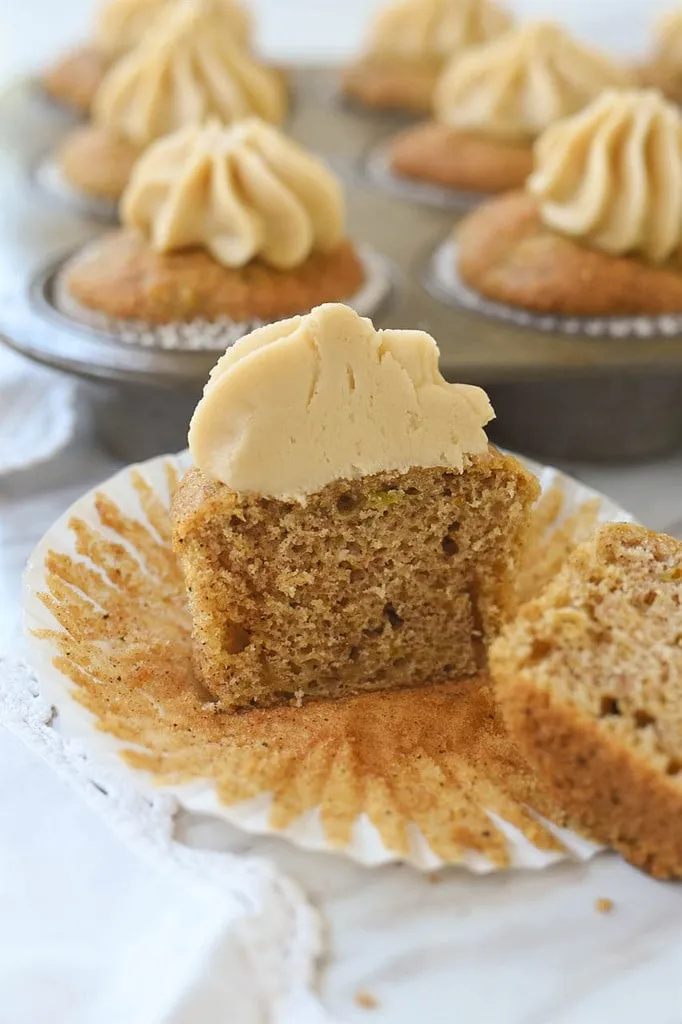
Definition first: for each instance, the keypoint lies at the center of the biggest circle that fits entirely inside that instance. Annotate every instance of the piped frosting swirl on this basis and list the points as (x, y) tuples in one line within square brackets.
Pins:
[(434, 29), (188, 69), (668, 39), (516, 86), (612, 175), (241, 192), (300, 403)]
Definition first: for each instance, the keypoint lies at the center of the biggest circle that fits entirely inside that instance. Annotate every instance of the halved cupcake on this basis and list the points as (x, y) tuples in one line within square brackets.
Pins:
[(187, 68), (492, 102), (236, 222), (347, 527), (598, 229), (120, 25), (409, 43)]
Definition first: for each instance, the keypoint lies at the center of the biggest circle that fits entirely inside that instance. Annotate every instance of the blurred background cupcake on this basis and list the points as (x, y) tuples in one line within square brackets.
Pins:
[(409, 43), (492, 102), (663, 69)]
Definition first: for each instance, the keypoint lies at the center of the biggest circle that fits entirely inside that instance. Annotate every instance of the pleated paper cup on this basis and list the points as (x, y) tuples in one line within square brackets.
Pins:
[(426, 776)]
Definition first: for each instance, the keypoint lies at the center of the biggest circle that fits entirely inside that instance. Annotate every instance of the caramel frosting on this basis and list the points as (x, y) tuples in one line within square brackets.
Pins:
[(122, 23), (611, 176), (240, 192), (300, 403), (434, 29), (188, 69), (668, 38), (516, 86)]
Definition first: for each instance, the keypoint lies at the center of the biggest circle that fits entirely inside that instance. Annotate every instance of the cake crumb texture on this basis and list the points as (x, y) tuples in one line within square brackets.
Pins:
[(589, 677), (388, 581)]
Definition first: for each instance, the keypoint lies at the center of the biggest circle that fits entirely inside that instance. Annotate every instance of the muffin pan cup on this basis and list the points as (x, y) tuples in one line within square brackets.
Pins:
[(557, 393)]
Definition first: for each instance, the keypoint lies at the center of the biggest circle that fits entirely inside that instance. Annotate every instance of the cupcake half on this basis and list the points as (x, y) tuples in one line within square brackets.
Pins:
[(598, 229), (409, 43), (235, 222), (121, 24), (187, 68), (492, 102)]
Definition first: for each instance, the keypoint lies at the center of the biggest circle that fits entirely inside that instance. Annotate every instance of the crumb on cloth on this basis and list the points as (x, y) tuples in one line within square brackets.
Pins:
[(603, 905), (365, 1000)]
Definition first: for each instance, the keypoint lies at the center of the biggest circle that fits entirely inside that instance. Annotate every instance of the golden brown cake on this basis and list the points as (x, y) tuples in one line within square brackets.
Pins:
[(589, 236), (187, 67), (491, 102), (238, 222), (75, 78), (440, 155), (347, 527), (589, 677), (408, 45)]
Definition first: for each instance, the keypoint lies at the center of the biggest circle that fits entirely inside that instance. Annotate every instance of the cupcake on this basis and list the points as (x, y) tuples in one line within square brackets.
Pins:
[(492, 102), (120, 25), (663, 70), (237, 222), (598, 229), (410, 42), (187, 68), (347, 527)]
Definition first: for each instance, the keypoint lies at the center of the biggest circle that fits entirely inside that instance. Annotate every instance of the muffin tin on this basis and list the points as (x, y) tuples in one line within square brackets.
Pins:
[(555, 395)]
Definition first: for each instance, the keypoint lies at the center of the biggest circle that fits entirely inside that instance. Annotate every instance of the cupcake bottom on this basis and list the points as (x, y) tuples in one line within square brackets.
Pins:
[(444, 156), (508, 255), (76, 77), (385, 84), (122, 277), (97, 162)]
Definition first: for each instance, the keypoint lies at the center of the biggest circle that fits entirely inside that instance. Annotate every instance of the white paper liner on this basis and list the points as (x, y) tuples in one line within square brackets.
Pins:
[(378, 167), (200, 797), (49, 177), (209, 335), (443, 282)]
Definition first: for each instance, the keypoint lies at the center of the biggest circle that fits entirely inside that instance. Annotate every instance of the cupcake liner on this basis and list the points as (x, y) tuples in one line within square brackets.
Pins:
[(379, 170), (49, 177), (442, 281), (426, 776), (201, 334)]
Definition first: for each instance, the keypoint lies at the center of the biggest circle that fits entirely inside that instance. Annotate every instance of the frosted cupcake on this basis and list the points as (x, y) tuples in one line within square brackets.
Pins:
[(235, 222), (186, 69), (491, 103), (119, 27), (663, 70), (598, 229), (409, 43)]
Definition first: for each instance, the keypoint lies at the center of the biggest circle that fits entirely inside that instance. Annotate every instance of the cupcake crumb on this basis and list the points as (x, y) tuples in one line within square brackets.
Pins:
[(365, 1000), (434, 878), (603, 905)]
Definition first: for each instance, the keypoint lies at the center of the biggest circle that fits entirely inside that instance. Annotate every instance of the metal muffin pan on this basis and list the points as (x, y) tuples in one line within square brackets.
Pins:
[(555, 396)]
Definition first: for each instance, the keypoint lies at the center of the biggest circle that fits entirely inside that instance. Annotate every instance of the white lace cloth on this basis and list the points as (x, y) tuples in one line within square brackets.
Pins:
[(234, 941), (37, 413)]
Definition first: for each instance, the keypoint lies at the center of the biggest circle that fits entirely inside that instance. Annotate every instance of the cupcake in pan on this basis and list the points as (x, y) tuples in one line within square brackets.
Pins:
[(663, 69), (187, 68), (598, 229), (491, 103), (219, 222), (409, 43), (120, 25)]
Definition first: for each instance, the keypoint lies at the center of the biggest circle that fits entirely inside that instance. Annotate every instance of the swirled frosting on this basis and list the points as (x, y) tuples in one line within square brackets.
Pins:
[(121, 24), (612, 175), (241, 192), (434, 29), (300, 403), (516, 86), (189, 68), (668, 38)]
